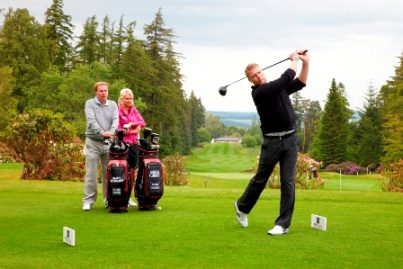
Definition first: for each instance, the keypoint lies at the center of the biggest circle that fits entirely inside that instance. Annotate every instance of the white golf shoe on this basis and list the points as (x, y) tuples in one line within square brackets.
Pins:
[(86, 207), (277, 230), (132, 203), (241, 217)]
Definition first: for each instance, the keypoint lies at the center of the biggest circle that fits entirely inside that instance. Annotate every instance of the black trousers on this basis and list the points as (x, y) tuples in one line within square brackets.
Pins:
[(133, 156), (273, 150)]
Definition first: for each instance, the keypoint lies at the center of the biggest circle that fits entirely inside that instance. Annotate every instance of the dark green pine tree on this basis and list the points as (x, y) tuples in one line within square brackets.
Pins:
[(157, 38), (119, 41), (369, 150), (106, 42), (391, 96), (87, 48), (183, 127), (167, 108), (59, 33), (334, 128), (23, 48), (136, 66)]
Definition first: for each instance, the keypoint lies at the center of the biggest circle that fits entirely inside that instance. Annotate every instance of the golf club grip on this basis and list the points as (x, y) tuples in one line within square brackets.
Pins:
[(286, 59), (302, 52)]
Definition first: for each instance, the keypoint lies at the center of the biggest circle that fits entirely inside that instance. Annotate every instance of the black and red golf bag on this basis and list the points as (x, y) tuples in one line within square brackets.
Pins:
[(150, 177), (118, 184)]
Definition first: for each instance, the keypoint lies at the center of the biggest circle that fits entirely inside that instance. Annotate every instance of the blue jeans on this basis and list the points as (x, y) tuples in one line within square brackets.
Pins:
[(274, 150)]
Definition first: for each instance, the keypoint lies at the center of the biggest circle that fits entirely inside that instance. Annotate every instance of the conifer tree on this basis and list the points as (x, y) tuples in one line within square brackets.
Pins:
[(334, 127), (88, 45), (105, 42), (136, 66), (369, 148), (167, 109), (59, 33), (392, 110), (119, 41)]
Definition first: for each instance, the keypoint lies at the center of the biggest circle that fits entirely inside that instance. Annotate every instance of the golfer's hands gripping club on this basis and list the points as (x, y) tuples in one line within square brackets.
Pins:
[(297, 55)]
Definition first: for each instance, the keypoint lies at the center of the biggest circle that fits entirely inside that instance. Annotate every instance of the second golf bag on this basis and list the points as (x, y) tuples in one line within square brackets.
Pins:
[(118, 184), (150, 177)]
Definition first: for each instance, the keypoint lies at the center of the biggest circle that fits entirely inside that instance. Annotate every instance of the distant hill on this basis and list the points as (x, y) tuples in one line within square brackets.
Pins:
[(237, 119), (244, 119)]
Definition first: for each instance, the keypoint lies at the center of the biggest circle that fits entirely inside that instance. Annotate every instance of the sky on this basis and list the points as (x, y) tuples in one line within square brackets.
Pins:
[(355, 42)]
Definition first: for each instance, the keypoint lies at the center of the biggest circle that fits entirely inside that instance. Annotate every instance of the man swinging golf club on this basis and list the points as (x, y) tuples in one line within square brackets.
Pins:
[(280, 144)]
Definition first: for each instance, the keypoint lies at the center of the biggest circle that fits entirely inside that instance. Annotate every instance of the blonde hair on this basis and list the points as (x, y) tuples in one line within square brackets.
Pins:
[(250, 67), (124, 92), (99, 83)]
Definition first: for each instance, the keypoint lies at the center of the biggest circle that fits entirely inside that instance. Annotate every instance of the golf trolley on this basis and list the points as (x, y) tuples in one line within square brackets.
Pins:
[(118, 183), (149, 186)]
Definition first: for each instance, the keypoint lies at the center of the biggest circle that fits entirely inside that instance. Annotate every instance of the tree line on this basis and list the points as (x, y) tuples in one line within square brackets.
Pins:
[(43, 65)]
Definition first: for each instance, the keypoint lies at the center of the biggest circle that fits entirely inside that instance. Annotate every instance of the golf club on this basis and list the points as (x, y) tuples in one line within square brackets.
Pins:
[(223, 89)]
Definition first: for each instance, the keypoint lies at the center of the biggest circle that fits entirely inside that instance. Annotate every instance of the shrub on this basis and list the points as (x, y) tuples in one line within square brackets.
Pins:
[(347, 168), (248, 141), (174, 171), (394, 174), (46, 146), (7, 154), (306, 176), (203, 135), (372, 167)]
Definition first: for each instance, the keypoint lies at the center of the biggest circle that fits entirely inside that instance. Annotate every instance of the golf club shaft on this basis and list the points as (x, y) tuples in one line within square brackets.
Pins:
[(267, 67)]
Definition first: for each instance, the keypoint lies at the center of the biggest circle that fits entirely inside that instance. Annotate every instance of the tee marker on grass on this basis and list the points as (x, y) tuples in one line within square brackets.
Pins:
[(69, 236), (318, 222)]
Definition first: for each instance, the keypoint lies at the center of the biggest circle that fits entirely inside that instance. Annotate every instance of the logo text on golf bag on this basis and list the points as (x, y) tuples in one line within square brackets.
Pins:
[(116, 191), (154, 174), (117, 179)]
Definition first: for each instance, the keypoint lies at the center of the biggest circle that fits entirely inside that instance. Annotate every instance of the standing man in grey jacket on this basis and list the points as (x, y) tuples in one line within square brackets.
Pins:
[(102, 120)]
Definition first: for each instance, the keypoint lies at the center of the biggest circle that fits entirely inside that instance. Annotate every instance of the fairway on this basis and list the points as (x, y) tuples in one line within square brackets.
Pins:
[(222, 157), (196, 228)]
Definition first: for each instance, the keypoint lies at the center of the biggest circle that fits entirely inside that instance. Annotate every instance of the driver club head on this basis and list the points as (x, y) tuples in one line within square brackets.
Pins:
[(223, 90)]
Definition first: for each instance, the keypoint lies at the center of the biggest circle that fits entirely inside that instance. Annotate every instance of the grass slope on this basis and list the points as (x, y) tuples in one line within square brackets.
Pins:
[(222, 157), (196, 227)]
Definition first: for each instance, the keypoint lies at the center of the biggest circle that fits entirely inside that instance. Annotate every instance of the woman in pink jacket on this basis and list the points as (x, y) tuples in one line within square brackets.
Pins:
[(131, 122)]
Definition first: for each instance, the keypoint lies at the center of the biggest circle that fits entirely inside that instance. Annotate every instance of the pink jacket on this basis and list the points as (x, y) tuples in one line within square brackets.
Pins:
[(134, 117)]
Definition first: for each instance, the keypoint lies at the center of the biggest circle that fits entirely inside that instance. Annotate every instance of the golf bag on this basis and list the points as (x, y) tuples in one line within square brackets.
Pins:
[(118, 184), (149, 186)]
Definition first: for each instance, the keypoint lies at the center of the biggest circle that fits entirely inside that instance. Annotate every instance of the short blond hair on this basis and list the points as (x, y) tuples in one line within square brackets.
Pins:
[(100, 83), (123, 92), (250, 67)]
